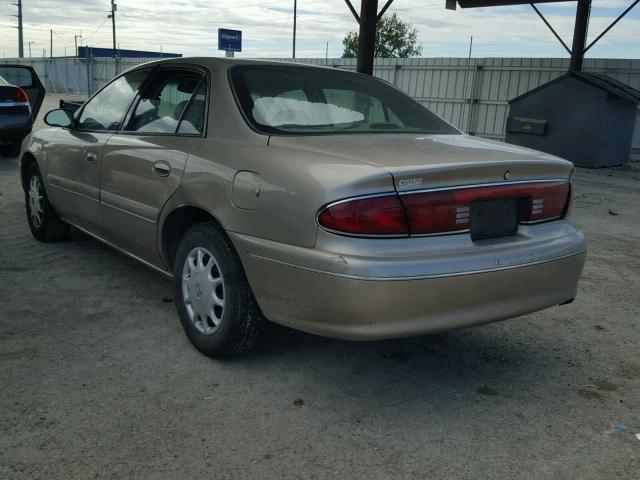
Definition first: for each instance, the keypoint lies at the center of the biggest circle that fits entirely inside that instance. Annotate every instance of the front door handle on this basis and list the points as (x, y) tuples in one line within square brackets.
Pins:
[(162, 169), (92, 158)]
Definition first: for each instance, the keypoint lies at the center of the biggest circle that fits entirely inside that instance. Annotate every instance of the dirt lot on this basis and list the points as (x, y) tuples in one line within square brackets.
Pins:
[(98, 380)]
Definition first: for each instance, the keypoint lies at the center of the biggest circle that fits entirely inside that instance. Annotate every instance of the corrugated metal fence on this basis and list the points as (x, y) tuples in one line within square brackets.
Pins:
[(474, 94), (471, 94), (77, 75)]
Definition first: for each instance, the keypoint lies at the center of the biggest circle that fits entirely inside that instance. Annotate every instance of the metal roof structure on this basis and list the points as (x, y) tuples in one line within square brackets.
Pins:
[(369, 16), (583, 10), (597, 80)]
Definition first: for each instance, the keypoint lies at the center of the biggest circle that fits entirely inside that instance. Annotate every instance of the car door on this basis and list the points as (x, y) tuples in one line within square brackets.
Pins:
[(27, 79), (74, 154), (143, 163)]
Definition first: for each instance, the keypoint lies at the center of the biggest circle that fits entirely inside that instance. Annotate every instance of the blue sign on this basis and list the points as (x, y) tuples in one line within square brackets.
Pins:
[(229, 40)]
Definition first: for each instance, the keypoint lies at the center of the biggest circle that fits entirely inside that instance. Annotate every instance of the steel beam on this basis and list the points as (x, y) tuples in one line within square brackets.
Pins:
[(367, 36), (580, 35)]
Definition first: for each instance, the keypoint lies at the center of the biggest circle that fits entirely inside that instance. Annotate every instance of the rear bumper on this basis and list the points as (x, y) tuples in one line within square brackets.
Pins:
[(351, 306), (13, 128)]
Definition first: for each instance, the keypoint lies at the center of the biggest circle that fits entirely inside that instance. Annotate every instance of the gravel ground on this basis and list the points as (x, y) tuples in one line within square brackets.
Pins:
[(98, 380)]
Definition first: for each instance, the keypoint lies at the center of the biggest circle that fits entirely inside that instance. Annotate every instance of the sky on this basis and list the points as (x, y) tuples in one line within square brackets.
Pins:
[(190, 27)]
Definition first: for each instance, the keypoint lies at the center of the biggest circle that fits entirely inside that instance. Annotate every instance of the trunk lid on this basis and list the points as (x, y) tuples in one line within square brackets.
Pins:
[(25, 77), (429, 161)]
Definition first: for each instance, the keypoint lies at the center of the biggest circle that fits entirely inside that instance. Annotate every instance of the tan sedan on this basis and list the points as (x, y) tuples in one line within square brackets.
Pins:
[(324, 200)]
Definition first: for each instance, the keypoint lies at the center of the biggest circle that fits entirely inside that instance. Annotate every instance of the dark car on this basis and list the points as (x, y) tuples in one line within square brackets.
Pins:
[(21, 94)]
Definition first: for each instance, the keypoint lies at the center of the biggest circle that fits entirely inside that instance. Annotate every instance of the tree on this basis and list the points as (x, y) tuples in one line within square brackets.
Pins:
[(395, 38)]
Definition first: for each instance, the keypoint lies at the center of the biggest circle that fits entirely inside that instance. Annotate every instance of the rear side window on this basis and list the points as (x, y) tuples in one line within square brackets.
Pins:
[(173, 103), (310, 101), (193, 119)]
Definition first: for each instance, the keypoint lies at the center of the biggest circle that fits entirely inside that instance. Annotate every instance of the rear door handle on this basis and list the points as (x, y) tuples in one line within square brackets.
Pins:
[(92, 158), (162, 169)]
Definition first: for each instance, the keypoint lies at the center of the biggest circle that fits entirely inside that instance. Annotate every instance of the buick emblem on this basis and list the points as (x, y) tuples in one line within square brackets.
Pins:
[(507, 175)]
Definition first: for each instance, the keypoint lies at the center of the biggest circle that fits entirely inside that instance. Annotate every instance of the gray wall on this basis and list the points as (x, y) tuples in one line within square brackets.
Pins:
[(472, 94)]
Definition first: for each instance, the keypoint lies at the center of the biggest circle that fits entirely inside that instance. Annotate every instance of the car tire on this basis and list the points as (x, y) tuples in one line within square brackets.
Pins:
[(216, 306), (12, 150), (44, 222)]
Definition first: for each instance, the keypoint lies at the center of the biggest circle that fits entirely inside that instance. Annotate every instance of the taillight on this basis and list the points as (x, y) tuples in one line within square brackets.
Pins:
[(366, 216), (447, 211), (436, 212), (21, 96), (546, 202), (444, 210)]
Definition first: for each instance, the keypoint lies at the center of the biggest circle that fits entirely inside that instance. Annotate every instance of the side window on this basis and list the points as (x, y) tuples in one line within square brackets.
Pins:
[(193, 119), (163, 105), (107, 109)]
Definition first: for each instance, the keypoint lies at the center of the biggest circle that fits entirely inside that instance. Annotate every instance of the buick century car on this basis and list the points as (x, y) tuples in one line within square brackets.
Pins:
[(323, 200)]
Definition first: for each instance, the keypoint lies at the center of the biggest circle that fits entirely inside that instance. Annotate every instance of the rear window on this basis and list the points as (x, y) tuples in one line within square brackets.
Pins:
[(21, 77), (299, 101)]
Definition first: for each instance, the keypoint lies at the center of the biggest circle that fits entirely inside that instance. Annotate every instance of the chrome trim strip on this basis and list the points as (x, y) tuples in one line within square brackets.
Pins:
[(416, 277), (440, 234), (359, 197), (475, 185), (73, 186), (535, 222), (126, 205), (59, 187), (122, 210), (121, 250)]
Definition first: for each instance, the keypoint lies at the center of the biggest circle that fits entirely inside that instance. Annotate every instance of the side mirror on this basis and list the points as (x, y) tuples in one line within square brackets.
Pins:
[(59, 118)]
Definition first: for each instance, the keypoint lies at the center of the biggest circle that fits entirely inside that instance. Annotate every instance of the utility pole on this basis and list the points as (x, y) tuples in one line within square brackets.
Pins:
[(19, 27), (51, 43), (112, 16), (295, 18), (75, 39), (580, 35), (30, 43)]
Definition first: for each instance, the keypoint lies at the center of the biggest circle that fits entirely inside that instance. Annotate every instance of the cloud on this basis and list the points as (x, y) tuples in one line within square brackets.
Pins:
[(190, 27)]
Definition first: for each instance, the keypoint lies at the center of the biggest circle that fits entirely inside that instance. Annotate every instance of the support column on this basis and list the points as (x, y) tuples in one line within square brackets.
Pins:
[(580, 35), (367, 35)]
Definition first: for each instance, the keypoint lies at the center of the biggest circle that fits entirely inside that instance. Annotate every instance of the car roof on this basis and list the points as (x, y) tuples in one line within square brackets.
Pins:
[(218, 62)]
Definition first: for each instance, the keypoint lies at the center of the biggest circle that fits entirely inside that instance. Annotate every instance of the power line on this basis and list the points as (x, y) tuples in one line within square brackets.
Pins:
[(97, 29)]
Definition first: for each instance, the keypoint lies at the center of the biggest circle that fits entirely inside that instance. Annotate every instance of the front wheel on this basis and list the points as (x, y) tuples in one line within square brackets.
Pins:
[(216, 306), (44, 222)]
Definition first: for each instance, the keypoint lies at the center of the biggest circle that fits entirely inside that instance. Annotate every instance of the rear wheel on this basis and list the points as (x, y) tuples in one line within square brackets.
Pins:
[(44, 222), (216, 306)]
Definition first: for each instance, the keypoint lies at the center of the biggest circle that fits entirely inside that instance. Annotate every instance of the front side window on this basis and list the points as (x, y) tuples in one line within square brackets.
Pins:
[(173, 103), (107, 109), (299, 101)]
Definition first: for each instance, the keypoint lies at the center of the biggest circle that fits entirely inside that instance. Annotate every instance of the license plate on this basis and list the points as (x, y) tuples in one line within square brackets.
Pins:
[(494, 218)]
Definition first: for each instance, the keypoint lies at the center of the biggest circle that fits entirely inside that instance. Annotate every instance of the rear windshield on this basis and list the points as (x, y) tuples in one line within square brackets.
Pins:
[(19, 76), (312, 101)]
